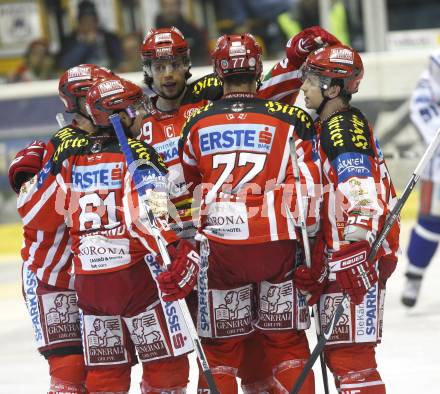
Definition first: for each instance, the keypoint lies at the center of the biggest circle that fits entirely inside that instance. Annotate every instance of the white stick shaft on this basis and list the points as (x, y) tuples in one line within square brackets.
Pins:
[(301, 214), (60, 120)]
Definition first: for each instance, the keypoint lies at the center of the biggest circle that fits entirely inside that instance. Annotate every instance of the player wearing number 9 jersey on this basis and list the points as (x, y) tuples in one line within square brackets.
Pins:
[(235, 153)]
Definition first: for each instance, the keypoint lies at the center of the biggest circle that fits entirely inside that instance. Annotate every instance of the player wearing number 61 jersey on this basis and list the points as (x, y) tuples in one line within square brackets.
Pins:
[(235, 154), (87, 185)]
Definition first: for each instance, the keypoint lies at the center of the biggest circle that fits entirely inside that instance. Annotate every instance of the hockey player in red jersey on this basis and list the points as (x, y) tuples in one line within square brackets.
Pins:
[(235, 150), (166, 59), (86, 185), (46, 270), (358, 195)]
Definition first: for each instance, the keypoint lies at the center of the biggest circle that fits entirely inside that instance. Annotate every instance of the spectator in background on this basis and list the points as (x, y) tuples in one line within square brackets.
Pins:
[(259, 17), (90, 43), (305, 13), (38, 64), (130, 48), (171, 15)]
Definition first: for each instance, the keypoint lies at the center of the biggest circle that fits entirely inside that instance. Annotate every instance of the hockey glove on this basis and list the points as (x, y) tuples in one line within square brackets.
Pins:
[(313, 280), (354, 273), (26, 164), (387, 265), (181, 276), (306, 41)]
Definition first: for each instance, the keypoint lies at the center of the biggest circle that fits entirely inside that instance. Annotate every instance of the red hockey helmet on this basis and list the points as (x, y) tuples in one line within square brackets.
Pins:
[(237, 54), (110, 95), (76, 82), (164, 43), (335, 62)]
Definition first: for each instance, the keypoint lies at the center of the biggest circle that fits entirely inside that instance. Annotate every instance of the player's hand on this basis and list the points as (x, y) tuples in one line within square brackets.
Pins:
[(26, 164), (306, 41), (313, 280), (354, 273), (181, 276)]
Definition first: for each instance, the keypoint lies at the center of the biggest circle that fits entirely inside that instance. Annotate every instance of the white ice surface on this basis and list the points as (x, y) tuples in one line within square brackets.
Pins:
[(409, 357)]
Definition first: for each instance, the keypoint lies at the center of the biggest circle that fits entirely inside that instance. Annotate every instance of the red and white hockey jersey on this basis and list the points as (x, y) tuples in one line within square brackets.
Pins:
[(162, 129), (357, 189), (86, 185), (236, 151), (48, 253)]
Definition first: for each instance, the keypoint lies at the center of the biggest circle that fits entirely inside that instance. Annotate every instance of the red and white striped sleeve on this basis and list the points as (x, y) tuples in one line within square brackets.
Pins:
[(281, 83)]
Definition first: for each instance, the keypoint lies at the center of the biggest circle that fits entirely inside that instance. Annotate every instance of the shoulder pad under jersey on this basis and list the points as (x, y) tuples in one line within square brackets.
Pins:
[(147, 155), (345, 132), (64, 133), (296, 116), (193, 118), (208, 87)]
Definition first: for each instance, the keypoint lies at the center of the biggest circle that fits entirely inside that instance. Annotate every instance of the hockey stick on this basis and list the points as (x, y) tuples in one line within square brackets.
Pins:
[(154, 229), (60, 120), (305, 237), (345, 302)]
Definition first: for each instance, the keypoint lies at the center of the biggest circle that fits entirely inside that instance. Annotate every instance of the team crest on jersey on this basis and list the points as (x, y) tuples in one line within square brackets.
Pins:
[(79, 73), (226, 138), (147, 335), (108, 88)]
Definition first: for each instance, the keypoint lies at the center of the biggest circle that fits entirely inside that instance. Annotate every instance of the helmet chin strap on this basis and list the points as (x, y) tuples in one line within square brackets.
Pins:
[(323, 103)]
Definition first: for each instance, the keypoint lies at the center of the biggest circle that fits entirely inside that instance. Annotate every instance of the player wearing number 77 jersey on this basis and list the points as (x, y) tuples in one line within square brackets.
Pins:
[(235, 151)]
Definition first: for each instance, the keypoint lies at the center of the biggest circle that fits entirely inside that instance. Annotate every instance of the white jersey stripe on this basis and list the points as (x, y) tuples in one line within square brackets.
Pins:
[(272, 216), (37, 207)]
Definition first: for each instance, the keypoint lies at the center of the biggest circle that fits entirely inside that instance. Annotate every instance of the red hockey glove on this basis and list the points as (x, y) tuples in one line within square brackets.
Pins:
[(387, 265), (313, 280), (354, 274), (181, 276), (306, 41), (26, 164)]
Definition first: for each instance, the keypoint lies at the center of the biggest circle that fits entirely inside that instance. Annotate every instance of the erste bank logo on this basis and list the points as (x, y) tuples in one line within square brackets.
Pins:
[(102, 176), (238, 137)]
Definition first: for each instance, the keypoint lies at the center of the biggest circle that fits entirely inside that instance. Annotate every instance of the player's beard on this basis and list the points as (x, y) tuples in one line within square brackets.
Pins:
[(161, 93)]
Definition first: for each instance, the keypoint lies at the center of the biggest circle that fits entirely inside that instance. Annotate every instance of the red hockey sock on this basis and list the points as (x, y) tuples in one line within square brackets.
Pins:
[(362, 382), (105, 380), (67, 374)]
